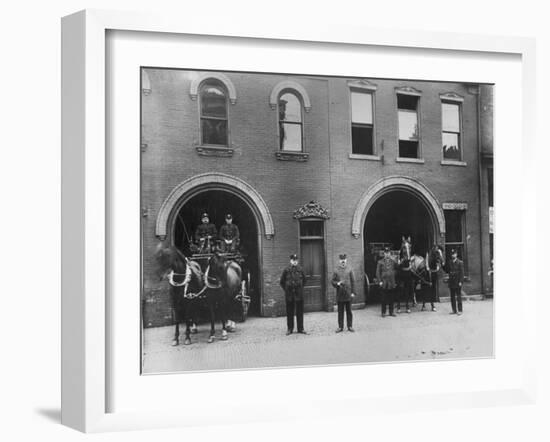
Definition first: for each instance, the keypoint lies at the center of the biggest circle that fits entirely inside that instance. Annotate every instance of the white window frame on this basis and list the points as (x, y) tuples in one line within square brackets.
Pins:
[(453, 98), (409, 90), (366, 87)]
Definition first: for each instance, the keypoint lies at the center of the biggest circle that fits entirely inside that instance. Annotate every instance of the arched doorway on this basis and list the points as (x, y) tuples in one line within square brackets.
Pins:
[(217, 203), (392, 207), (395, 214), (223, 193)]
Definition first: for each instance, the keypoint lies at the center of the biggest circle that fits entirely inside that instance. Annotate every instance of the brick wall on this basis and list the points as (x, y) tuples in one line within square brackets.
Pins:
[(170, 128)]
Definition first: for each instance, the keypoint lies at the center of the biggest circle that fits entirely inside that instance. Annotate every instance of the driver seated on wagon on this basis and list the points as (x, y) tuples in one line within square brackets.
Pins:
[(229, 235), (205, 235)]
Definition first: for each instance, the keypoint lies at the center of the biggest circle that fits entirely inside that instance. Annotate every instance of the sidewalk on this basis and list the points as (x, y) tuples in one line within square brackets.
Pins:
[(261, 342)]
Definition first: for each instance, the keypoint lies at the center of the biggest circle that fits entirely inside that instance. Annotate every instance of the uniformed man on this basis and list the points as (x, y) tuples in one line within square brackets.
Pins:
[(455, 269), (205, 235), (292, 281), (229, 235), (385, 275), (343, 281)]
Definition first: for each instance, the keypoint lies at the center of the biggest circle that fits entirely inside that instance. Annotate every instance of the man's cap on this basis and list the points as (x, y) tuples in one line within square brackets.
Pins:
[(205, 215), (228, 216), (386, 249), (294, 256), (343, 256), (453, 251)]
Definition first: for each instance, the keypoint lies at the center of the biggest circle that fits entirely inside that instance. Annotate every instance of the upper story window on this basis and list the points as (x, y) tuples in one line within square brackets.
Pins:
[(409, 128), (213, 114), (290, 123), (451, 127), (362, 123)]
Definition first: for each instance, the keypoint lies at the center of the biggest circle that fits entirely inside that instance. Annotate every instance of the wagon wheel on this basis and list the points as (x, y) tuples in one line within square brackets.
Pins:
[(244, 296), (367, 288)]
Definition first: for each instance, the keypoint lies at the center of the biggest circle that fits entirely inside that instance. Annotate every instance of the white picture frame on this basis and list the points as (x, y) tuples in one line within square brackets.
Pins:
[(85, 201)]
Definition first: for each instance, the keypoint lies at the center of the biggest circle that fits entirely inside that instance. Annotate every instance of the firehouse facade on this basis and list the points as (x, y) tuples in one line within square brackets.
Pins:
[(316, 166)]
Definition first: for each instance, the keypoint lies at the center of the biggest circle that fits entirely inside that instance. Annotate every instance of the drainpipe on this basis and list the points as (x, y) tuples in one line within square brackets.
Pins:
[(480, 187)]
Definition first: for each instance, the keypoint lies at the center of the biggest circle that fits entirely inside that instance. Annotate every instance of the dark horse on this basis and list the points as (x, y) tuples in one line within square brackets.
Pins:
[(405, 275), (186, 285), (223, 281), (436, 260), (412, 272)]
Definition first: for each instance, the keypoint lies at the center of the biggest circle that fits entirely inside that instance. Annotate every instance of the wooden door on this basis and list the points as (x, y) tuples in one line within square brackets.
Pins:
[(313, 263)]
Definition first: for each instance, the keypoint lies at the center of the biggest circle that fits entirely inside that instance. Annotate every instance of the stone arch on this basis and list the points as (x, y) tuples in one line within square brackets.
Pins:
[(291, 86), (407, 184), (195, 84), (219, 181)]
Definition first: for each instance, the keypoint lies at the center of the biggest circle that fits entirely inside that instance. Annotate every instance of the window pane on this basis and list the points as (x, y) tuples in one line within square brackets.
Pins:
[(451, 148), (453, 225), (409, 102), (291, 137), (311, 228), (408, 125), (214, 131), (450, 117), (408, 149), (361, 140), (213, 102), (361, 108), (290, 108)]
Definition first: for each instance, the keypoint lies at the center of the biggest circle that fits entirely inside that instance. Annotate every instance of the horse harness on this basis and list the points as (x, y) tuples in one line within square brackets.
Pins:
[(207, 283), (418, 275), (185, 283)]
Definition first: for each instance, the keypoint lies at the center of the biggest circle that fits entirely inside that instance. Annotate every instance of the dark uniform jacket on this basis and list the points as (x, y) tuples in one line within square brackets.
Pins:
[(344, 290), (229, 232), (385, 273), (455, 269), (205, 230), (292, 281)]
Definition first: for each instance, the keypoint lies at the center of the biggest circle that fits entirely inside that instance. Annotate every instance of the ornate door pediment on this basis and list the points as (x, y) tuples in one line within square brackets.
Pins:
[(311, 210)]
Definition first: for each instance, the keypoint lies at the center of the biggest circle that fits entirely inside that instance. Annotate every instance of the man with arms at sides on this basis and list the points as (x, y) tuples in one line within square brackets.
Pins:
[(292, 282), (455, 269), (343, 281)]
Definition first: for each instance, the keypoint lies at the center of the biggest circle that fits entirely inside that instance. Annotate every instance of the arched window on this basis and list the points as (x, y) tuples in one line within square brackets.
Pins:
[(213, 114), (290, 122)]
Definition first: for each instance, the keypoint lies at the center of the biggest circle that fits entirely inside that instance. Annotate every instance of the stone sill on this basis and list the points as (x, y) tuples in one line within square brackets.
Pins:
[(357, 156), (410, 160), (214, 151), (453, 163), (291, 156)]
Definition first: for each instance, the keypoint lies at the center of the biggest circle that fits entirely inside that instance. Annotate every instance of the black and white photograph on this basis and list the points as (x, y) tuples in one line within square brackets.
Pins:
[(305, 220)]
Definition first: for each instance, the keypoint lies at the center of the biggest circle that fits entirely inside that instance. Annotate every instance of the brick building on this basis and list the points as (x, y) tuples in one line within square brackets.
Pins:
[(317, 166)]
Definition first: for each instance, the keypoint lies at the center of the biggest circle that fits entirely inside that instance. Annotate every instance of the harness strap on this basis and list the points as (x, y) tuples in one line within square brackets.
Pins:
[(420, 277), (207, 282), (171, 275), (194, 295)]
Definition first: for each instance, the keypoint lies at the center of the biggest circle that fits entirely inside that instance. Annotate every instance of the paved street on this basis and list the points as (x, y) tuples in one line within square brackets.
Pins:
[(261, 342)]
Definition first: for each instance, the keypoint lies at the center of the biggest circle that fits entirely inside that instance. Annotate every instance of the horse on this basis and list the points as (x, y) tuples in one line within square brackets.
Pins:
[(222, 279), (186, 285), (412, 271), (436, 260)]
